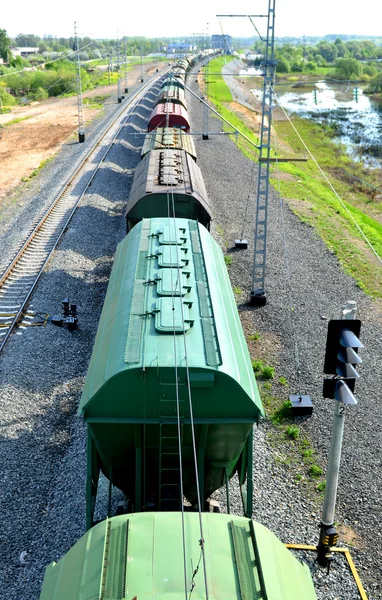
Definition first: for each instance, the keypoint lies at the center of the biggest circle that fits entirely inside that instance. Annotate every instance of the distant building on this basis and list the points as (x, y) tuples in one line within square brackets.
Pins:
[(222, 42), (180, 48), (24, 52)]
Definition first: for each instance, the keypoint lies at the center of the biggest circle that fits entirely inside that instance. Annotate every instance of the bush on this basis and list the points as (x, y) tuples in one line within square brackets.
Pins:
[(311, 66), (7, 99), (283, 66), (315, 471), (293, 432), (268, 373), (375, 85), (38, 94)]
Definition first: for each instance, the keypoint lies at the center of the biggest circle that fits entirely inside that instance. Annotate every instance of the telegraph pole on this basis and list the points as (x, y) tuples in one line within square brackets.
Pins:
[(81, 128), (141, 63), (206, 82), (126, 81), (110, 65), (119, 93)]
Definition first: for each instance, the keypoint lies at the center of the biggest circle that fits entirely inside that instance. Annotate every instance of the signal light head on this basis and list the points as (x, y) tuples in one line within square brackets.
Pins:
[(341, 355)]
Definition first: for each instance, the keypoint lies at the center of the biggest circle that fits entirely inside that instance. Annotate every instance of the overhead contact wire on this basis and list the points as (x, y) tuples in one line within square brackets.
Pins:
[(178, 420), (201, 540)]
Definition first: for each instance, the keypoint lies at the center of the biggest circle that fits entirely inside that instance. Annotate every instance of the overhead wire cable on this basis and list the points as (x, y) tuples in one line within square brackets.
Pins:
[(332, 187), (179, 429), (199, 499)]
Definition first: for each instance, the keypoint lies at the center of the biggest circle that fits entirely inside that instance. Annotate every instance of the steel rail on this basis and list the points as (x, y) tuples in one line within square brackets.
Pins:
[(131, 107)]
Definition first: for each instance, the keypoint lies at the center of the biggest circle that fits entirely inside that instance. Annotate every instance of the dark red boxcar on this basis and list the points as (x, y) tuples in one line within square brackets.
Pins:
[(169, 115)]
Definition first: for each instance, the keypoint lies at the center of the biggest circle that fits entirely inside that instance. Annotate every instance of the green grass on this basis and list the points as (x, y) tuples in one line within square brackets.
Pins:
[(217, 88), (320, 487), (263, 371), (315, 471), (254, 337), (283, 381), (237, 291), (292, 432), (36, 171), (14, 121), (228, 259)]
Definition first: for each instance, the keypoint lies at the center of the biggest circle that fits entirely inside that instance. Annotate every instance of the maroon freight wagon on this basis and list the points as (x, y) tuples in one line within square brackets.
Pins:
[(169, 115)]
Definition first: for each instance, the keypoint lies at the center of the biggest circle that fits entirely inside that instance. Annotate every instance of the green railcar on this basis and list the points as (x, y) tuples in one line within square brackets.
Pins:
[(169, 338), (141, 556)]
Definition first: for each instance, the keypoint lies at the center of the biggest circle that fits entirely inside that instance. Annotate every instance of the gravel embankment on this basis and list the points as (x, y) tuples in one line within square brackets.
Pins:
[(42, 371), (319, 288)]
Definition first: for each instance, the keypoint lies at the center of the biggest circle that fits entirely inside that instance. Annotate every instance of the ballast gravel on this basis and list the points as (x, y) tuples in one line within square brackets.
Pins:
[(42, 372)]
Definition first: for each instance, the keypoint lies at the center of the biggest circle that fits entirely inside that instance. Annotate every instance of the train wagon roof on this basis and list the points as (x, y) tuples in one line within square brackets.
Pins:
[(170, 321), (167, 171), (173, 93), (141, 556), (168, 138), (169, 81), (171, 111)]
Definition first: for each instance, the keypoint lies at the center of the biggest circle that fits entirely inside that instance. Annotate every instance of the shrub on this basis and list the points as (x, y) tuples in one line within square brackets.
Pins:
[(321, 486), (38, 94), (268, 373), (257, 365), (283, 66), (7, 99), (315, 471), (282, 413), (293, 432)]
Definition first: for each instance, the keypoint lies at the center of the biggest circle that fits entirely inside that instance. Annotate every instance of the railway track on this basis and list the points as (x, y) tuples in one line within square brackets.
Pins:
[(20, 278)]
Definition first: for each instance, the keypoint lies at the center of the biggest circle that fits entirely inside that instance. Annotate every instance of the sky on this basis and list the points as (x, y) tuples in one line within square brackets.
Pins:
[(171, 19)]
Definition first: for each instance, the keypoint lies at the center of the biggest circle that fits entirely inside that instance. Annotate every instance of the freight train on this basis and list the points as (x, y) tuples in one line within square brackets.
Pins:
[(170, 402)]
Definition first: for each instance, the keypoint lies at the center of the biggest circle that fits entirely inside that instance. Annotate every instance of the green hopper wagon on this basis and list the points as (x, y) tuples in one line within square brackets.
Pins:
[(140, 556), (169, 341)]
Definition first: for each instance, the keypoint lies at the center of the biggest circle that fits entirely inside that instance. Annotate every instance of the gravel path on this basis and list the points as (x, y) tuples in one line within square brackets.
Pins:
[(42, 450), (319, 289)]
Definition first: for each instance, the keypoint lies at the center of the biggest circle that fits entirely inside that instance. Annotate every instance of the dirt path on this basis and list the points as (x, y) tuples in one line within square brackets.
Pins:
[(25, 145)]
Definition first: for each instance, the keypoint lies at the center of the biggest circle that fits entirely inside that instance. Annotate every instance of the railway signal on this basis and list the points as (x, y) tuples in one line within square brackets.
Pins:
[(341, 357), (315, 96), (355, 94)]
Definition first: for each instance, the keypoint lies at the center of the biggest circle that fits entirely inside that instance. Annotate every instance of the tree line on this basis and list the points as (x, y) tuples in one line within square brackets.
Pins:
[(344, 60)]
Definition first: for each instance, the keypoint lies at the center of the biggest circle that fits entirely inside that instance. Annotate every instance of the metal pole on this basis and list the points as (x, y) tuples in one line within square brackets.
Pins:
[(119, 93), (126, 80), (206, 82), (257, 296), (141, 63), (328, 533), (81, 128), (109, 66)]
